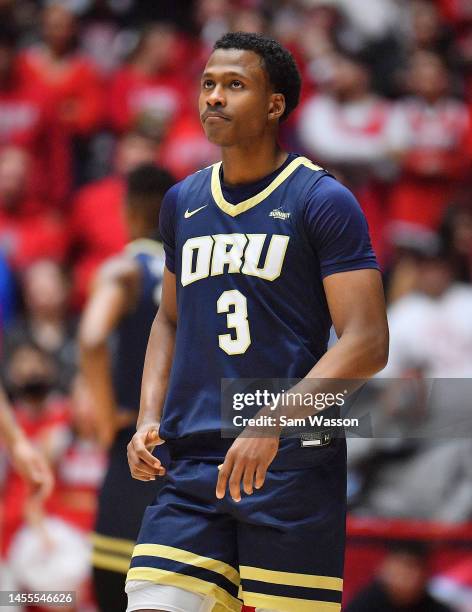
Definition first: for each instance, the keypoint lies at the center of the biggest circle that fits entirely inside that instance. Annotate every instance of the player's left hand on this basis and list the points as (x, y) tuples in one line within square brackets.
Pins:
[(246, 461)]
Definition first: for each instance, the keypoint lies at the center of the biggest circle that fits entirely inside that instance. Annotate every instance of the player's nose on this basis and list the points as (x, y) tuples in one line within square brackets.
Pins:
[(216, 97)]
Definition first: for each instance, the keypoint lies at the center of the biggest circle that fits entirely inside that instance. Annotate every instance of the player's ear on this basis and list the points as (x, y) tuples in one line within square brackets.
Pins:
[(276, 106)]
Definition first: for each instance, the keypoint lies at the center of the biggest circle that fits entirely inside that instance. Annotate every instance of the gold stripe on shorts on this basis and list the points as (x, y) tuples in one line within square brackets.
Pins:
[(190, 558), (289, 604), (291, 579)]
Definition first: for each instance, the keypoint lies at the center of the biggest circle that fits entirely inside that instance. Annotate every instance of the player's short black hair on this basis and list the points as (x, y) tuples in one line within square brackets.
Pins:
[(145, 188), (278, 62)]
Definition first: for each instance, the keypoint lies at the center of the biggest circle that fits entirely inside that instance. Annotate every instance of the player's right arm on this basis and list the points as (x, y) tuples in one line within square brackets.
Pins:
[(159, 355), (157, 366)]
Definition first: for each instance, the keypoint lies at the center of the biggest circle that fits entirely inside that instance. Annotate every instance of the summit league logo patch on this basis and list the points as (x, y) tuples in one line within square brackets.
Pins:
[(277, 213)]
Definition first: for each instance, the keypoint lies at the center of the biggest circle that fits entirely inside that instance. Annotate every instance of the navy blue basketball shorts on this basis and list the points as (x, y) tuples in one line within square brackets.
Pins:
[(281, 548)]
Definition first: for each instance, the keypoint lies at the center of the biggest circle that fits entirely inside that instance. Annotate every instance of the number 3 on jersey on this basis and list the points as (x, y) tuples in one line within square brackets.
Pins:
[(237, 319)]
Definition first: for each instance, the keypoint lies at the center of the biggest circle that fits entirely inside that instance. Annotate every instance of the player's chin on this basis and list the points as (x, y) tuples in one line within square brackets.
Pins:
[(219, 135)]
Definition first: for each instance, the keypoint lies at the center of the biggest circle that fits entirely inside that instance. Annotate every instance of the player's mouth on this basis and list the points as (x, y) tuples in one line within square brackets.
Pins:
[(214, 116)]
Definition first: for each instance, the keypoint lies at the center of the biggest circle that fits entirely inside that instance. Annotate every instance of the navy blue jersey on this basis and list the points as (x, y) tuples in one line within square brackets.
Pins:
[(249, 265), (133, 331)]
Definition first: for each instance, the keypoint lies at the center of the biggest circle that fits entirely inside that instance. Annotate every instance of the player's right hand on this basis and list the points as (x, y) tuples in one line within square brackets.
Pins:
[(142, 463)]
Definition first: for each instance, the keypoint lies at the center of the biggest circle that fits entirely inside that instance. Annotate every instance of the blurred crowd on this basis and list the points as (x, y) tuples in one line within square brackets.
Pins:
[(89, 90)]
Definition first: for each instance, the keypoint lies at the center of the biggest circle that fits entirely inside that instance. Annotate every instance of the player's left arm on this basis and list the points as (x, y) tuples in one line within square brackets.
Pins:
[(112, 296), (354, 293), (357, 307)]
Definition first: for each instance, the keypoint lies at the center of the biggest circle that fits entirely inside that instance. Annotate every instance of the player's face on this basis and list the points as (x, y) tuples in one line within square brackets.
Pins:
[(236, 101)]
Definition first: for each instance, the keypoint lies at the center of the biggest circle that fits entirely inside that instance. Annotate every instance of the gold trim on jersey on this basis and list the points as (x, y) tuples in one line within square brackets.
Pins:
[(195, 585), (291, 579), (190, 558), (236, 209), (289, 604)]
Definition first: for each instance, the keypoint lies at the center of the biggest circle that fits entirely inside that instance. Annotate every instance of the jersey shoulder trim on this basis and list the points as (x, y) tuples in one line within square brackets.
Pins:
[(236, 209), (311, 165)]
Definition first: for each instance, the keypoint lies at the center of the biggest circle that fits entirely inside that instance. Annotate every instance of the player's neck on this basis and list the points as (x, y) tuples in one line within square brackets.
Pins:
[(248, 164)]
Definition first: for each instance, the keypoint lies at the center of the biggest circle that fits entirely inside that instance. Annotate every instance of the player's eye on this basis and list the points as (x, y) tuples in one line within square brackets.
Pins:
[(207, 84), (236, 84)]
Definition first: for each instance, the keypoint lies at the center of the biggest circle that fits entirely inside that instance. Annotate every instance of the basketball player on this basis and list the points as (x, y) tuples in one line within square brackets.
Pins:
[(264, 251), (113, 334)]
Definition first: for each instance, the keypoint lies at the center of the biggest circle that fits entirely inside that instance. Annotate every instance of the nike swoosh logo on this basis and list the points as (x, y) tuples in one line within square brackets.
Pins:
[(188, 214)]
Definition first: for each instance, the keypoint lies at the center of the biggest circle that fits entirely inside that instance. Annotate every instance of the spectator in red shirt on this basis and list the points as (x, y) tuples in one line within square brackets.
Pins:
[(65, 431), (148, 90), (80, 468), (72, 82), (69, 76), (26, 120), (435, 128), (44, 418), (97, 224), (27, 231)]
